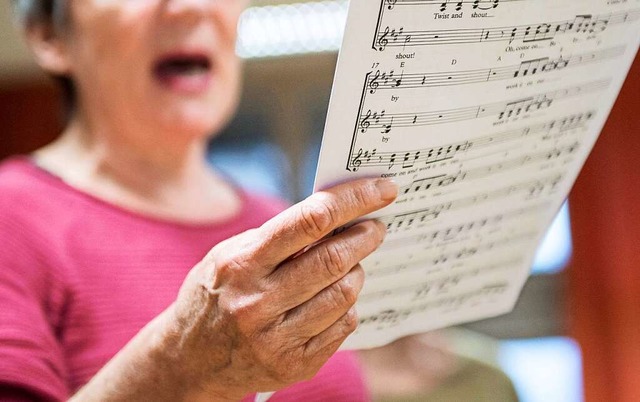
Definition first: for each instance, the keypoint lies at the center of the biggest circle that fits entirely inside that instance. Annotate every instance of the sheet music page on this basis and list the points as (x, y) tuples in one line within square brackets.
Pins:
[(483, 112)]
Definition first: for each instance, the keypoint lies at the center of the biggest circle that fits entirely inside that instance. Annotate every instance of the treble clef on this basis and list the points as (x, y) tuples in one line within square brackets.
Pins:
[(391, 4), (365, 122), (373, 83), (382, 40), (356, 162)]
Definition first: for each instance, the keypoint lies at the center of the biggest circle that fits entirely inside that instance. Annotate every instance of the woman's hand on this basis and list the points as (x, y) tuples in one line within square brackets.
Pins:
[(268, 307), (263, 310)]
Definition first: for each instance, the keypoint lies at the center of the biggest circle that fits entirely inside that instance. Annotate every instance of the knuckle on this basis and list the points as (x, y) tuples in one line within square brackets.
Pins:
[(361, 195), (246, 315), (333, 257), (350, 322), (228, 265), (358, 273), (377, 232), (237, 253), (238, 263), (317, 219), (343, 293)]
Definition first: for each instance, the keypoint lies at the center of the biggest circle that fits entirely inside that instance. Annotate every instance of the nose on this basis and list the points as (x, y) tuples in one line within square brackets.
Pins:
[(221, 15), (193, 8)]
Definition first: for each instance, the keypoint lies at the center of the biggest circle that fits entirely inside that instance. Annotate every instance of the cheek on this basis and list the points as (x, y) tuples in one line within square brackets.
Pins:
[(229, 15), (107, 34)]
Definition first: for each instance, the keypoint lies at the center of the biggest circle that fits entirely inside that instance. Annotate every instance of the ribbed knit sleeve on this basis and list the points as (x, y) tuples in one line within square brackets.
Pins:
[(30, 354)]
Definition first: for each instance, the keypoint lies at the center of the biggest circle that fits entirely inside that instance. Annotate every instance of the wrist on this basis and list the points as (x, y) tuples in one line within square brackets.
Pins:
[(195, 380)]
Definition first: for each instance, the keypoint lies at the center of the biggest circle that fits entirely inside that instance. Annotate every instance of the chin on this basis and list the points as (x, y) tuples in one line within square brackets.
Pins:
[(192, 118)]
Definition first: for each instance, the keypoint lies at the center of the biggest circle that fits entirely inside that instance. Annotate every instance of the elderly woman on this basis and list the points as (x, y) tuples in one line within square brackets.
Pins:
[(129, 269)]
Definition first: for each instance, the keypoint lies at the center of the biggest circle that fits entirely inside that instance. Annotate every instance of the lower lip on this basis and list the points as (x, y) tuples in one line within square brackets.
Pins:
[(185, 84)]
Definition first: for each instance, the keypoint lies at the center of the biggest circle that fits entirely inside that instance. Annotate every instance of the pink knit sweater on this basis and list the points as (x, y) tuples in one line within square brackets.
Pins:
[(79, 277)]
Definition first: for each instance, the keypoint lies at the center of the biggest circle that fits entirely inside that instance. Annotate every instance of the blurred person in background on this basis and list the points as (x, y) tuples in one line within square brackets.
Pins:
[(130, 269), (426, 368)]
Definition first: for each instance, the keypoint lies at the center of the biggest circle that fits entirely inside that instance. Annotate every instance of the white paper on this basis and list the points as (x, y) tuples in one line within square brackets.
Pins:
[(484, 112)]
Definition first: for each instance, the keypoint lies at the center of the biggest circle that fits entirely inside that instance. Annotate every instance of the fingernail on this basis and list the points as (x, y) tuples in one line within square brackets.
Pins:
[(388, 189)]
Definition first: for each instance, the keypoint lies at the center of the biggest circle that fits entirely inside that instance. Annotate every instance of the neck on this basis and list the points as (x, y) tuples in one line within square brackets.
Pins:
[(168, 179)]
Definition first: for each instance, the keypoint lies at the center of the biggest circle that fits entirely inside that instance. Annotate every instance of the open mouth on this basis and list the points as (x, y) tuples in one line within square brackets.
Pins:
[(184, 72)]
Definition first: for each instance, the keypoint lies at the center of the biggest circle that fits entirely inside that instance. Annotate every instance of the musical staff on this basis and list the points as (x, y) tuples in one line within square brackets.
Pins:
[(443, 5), (581, 24), (435, 260), (501, 110), (419, 290), (407, 159), (393, 317), (390, 80), (441, 181), (421, 157), (457, 232), (530, 189)]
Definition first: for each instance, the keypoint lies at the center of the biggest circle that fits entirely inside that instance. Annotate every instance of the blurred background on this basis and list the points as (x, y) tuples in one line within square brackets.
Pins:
[(573, 334)]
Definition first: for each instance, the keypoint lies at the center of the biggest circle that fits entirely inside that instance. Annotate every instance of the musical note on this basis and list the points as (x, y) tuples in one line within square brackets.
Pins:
[(386, 128), (440, 181), (587, 24), (443, 5), (542, 32), (490, 4), (391, 318), (407, 40), (379, 81), (456, 232), (435, 258), (530, 188), (449, 151), (386, 317), (398, 82), (584, 24), (411, 158), (527, 105), (501, 110), (532, 67)]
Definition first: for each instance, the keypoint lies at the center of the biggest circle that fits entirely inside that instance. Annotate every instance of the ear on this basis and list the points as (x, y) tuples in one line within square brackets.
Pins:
[(49, 48)]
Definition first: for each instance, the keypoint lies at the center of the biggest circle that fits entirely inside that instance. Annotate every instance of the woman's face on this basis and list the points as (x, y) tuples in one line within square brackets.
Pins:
[(165, 67)]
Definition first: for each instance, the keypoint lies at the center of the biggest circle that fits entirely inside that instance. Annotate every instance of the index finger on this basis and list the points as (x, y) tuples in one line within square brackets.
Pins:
[(312, 219)]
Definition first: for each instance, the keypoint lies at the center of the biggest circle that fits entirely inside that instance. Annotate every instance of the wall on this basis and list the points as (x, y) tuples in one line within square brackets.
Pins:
[(604, 278)]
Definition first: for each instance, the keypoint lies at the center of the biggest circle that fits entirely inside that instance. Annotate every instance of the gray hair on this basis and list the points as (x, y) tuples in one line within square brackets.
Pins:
[(29, 12)]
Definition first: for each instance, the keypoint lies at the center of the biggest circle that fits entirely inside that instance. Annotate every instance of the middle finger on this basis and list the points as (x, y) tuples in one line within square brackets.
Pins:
[(301, 278)]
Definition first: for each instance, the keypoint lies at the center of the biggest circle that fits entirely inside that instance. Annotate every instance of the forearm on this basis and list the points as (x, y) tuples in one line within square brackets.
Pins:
[(145, 369)]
